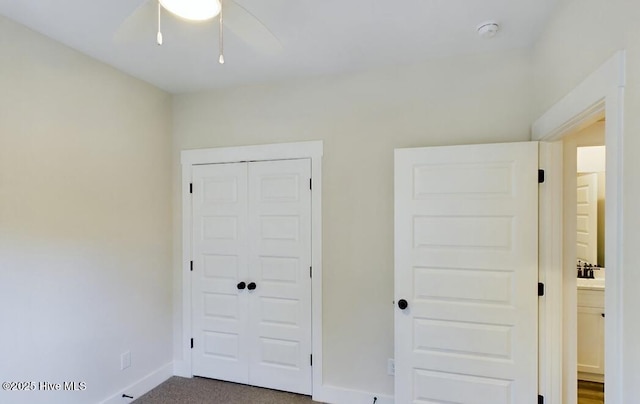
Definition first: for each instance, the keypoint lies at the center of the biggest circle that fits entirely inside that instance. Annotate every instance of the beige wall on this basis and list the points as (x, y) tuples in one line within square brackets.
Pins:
[(85, 233), (582, 35), (361, 118), (601, 222)]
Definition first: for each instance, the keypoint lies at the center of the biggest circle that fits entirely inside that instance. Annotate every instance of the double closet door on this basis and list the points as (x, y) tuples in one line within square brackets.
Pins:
[(251, 286)]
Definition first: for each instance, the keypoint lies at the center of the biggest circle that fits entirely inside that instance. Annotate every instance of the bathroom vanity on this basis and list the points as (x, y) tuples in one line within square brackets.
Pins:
[(591, 329)]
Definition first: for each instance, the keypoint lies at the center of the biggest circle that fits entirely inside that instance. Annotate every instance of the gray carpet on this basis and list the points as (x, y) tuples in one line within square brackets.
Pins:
[(207, 391)]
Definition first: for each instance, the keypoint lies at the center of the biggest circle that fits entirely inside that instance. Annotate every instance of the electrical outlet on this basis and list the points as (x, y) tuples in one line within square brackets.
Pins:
[(391, 367), (125, 360)]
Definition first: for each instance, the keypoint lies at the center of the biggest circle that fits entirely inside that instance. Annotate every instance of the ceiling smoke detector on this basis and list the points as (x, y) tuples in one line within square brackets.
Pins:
[(488, 29)]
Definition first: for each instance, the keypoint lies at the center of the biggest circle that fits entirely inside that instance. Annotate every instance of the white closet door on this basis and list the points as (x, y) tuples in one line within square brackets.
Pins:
[(220, 309), (466, 237), (279, 263)]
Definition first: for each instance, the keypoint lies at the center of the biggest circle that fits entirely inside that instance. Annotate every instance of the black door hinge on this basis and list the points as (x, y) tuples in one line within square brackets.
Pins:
[(191, 266), (540, 289), (191, 343), (310, 186), (540, 399), (191, 187), (311, 360), (310, 272), (540, 176)]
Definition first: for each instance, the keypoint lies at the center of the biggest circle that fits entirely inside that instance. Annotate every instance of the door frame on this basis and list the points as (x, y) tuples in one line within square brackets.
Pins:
[(600, 93), (312, 150)]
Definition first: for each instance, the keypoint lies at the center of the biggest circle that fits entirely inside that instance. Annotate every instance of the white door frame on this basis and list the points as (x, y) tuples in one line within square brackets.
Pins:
[(601, 92), (283, 151)]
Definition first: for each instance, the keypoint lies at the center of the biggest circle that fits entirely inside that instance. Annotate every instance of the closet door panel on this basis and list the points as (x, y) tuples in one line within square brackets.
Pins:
[(279, 220), (220, 254)]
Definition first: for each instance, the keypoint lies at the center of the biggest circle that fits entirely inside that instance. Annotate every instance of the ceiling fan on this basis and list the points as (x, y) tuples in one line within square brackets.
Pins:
[(225, 13)]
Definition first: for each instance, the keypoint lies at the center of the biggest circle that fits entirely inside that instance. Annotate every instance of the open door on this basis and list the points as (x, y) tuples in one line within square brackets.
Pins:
[(466, 274)]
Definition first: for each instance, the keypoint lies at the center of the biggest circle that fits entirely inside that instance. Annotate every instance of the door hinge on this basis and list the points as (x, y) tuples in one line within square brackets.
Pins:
[(540, 399), (191, 343), (191, 266), (540, 289), (310, 184), (540, 176), (311, 360), (310, 272), (191, 187)]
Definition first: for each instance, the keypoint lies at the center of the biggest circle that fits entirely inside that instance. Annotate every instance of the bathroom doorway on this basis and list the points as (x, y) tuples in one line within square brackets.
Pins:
[(585, 182), (600, 94)]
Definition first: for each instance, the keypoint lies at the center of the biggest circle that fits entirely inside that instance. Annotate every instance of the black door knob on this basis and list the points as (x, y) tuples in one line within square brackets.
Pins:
[(241, 285), (402, 304), (251, 286)]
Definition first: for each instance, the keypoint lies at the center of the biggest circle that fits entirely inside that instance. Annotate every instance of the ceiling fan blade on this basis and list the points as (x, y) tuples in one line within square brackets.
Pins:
[(249, 28), (140, 24)]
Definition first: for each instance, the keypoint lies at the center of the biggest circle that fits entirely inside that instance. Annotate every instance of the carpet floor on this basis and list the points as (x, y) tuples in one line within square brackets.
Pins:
[(198, 390), (208, 391)]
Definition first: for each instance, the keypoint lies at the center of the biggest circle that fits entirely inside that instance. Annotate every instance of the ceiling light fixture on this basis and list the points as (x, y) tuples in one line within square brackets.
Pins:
[(194, 10)]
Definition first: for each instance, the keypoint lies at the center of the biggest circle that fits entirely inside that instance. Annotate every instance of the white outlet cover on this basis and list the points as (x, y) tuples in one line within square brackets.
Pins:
[(391, 367), (125, 360)]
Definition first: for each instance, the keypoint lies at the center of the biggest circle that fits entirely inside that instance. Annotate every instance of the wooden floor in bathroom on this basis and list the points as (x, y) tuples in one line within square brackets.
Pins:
[(590, 393)]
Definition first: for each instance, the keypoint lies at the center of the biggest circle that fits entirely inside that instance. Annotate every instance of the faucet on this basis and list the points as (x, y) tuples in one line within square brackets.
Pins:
[(585, 270)]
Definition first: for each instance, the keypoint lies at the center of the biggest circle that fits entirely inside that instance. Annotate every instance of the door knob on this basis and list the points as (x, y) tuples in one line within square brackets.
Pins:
[(402, 304), (241, 285), (251, 286)]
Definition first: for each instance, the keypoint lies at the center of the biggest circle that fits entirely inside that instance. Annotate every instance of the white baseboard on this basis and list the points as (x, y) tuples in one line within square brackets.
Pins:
[(182, 369), (591, 377), (339, 395), (142, 386), (325, 394)]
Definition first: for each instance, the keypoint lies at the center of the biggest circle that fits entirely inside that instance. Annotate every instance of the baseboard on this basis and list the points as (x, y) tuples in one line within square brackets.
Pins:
[(325, 394), (182, 369), (591, 377), (142, 386), (340, 395)]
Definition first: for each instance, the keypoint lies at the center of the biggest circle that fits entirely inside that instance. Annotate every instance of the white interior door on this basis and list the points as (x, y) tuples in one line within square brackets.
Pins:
[(220, 257), (466, 236), (280, 262), (587, 218), (251, 283)]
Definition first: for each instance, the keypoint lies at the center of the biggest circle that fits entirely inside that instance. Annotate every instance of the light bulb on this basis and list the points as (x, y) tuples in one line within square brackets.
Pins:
[(196, 10)]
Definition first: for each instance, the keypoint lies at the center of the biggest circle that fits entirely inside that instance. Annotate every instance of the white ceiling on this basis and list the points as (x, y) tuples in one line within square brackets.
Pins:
[(317, 36)]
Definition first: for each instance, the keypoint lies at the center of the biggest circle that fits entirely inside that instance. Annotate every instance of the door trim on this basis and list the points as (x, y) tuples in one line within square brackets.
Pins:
[(601, 92), (312, 150)]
